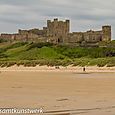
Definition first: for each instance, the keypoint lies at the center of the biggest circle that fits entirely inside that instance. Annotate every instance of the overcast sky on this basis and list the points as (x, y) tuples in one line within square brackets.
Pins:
[(84, 14)]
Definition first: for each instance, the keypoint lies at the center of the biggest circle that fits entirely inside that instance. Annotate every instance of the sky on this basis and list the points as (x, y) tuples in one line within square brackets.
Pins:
[(84, 14)]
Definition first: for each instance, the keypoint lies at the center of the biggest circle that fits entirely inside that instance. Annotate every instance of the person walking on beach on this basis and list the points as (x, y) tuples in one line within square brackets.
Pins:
[(84, 70)]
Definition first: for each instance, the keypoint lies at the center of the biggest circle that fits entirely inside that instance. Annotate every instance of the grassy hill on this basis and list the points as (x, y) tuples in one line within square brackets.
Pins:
[(32, 54)]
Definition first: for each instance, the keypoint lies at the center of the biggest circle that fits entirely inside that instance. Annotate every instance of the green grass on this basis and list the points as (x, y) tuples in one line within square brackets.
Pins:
[(32, 54)]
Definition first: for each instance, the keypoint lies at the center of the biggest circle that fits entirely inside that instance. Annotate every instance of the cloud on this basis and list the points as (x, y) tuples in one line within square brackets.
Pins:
[(84, 14)]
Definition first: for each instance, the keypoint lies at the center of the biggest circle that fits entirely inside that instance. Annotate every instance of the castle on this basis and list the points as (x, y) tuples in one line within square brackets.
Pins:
[(58, 32)]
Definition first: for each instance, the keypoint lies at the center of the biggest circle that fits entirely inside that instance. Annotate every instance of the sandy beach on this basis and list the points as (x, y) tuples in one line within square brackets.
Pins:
[(58, 92)]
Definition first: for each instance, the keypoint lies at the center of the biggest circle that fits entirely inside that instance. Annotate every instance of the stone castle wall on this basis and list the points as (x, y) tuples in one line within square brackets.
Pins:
[(59, 32)]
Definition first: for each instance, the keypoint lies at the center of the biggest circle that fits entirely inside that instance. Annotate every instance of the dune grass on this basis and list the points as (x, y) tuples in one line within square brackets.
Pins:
[(32, 54)]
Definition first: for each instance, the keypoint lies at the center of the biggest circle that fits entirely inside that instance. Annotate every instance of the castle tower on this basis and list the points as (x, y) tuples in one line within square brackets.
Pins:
[(58, 29), (48, 27), (68, 26), (106, 30)]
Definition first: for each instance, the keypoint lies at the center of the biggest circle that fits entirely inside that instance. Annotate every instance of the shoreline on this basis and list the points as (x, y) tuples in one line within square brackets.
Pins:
[(91, 69)]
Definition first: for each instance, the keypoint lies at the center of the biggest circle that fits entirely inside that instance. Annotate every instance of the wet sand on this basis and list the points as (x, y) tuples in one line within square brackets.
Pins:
[(59, 93)]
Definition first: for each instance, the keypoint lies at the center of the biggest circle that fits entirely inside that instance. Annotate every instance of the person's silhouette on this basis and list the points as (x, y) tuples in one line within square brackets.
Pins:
[(84, 69)]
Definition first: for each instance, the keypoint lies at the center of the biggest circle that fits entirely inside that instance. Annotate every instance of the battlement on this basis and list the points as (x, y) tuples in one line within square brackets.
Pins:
[(106, 26), (57, 20)]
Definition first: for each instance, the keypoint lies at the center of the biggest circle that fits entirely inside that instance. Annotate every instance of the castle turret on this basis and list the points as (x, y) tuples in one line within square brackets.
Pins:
[(106, 30), (68, 25), (48, 27), (48, 23)]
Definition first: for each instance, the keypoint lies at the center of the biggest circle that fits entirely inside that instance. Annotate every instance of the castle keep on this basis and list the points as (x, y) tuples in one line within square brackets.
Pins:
[(58, 32)]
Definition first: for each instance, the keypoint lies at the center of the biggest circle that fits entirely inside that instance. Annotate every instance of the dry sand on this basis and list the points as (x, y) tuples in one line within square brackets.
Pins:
[(72, 93)]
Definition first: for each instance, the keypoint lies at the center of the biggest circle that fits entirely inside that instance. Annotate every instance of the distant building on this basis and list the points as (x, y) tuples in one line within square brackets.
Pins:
[(58, 32)]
